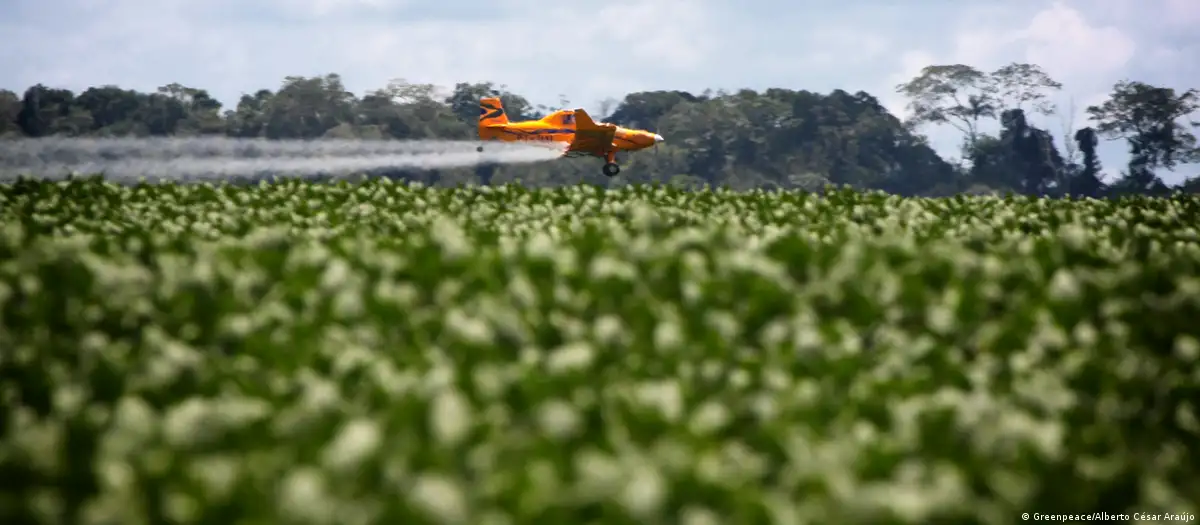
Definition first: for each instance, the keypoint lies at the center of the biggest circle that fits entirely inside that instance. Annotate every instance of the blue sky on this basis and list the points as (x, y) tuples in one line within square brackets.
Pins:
[(589, 50)]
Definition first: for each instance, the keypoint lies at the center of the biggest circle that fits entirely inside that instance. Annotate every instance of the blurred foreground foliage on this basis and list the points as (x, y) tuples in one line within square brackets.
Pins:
[(346, 353)]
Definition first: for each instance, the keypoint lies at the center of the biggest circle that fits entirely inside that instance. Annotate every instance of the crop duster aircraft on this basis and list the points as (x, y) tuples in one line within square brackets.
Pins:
[(573, 129)]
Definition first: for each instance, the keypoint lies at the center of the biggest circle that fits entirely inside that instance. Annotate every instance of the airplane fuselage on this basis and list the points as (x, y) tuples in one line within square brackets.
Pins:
[(625, 139), (574, 129)]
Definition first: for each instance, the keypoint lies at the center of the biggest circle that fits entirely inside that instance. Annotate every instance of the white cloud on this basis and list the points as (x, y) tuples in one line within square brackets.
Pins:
[(1182, 12), (1062, 41), (911, 64), (326, 7), (843, 46), (668, 33), (1059, 38), (565, 48)]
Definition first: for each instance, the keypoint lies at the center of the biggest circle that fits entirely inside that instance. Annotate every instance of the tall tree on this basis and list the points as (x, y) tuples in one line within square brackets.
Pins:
[(10, 107), (380, 117), (201, 112), (1040, 164), (963, 96), (1023, 158), (162, 114), (48, 111), (1087, 182), (306, 108), (957, 94), (250, 118), (423, 111), (643, 110), (1190, 185), (114, 110), (1147, 118), (1024, 87)]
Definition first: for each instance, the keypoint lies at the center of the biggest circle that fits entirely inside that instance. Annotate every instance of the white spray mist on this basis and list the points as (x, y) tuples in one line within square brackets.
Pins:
[(214, 158)]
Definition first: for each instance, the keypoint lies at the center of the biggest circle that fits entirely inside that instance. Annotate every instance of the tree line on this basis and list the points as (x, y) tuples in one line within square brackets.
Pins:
[(777, 138)]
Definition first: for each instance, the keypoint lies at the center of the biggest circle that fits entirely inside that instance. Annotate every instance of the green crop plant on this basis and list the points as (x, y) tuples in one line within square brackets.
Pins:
[(374, 352)]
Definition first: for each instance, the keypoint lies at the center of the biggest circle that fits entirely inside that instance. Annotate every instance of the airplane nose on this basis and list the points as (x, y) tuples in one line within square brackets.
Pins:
[(658, 138)]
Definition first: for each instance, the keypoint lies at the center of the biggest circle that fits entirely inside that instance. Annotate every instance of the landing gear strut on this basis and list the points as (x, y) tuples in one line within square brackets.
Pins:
[(611, 169)]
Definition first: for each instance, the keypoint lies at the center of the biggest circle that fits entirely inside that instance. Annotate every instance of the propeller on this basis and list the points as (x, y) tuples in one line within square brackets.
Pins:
[(656, 143)]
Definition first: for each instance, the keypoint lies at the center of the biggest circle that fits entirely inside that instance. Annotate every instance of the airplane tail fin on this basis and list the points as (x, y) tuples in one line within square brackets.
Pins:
[(491, 112)]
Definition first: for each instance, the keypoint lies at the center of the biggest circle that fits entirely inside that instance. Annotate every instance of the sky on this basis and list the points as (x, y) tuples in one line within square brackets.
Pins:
[(586, 50)]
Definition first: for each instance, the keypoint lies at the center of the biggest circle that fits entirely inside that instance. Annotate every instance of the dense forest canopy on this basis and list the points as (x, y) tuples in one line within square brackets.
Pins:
[(778, 138)]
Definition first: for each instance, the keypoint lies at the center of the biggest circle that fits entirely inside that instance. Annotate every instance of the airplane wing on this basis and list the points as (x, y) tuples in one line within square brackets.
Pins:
[(591, 138)]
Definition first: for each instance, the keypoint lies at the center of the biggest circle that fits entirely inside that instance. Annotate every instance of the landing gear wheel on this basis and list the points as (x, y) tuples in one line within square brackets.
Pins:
[(612, 169), (479, 149)]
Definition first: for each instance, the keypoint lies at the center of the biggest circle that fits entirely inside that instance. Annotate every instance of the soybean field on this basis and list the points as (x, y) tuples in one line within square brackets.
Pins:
[(376, 352)]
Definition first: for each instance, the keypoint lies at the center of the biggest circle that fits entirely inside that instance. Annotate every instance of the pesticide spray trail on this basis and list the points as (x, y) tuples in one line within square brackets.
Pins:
[(213, 158)]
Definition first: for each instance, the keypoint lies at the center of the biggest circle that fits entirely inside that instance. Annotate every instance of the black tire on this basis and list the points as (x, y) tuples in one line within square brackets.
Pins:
[(611, 169), (479, 149)]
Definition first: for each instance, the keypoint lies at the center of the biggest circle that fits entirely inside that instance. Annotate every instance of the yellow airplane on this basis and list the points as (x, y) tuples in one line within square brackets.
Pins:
[(573, 128)]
